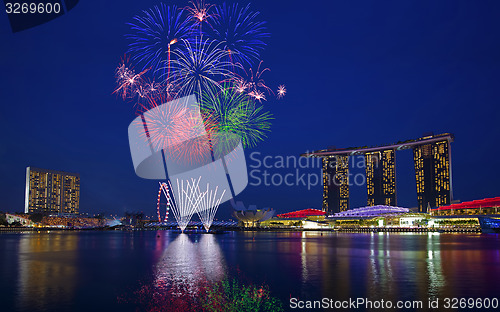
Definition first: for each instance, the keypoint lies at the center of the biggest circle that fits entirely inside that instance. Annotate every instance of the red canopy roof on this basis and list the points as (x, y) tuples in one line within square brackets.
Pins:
[(475, 204), (302, 213)]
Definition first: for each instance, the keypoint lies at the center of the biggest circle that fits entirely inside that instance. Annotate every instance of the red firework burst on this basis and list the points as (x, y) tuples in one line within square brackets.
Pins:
[(128, 81), (253, 84), (281, 91), (182, 133), (199, 10)]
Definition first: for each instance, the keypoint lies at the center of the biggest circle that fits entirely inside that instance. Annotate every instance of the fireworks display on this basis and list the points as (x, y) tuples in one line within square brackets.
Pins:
[(127, 80), (168, 44), (207, 205), (281, 91), (253, 83), (186, 201), (211, 52), (150, 90), (190, 199), (234, 115), (200, 66), (177, 130), (239, 31), (155, 33), (167, 125), (199, 11)]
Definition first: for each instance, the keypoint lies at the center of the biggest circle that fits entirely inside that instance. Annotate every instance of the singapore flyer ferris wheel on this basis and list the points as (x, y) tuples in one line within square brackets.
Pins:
[(163, 203)]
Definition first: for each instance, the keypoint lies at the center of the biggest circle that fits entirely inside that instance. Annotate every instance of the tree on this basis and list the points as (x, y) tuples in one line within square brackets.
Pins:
[(3, 219), (139, 216), (36, 217)]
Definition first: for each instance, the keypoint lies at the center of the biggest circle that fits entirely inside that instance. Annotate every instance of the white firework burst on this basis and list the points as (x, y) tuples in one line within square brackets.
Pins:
[(200, 66)]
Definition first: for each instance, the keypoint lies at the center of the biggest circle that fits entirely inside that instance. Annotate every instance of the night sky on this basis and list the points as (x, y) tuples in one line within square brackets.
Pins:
[(357, 73)]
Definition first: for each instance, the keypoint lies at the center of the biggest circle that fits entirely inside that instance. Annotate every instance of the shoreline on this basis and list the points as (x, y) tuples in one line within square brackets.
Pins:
[(224, 230)]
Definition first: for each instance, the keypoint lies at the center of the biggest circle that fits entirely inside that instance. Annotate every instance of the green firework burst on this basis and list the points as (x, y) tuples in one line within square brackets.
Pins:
[(230, 116)]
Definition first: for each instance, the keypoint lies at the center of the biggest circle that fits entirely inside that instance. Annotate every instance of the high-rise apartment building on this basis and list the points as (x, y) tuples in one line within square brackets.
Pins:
[(50, 191)]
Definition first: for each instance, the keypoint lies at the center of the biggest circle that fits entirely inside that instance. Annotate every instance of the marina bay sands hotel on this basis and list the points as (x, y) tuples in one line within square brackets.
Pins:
[(431, 157)]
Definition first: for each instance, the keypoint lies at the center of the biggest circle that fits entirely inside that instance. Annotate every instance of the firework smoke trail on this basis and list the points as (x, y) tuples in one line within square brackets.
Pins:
[(234, 116), (208, 205), (154, 33), (128, 81), (239, 31), (186, 201), (168, 60), (199, 67)]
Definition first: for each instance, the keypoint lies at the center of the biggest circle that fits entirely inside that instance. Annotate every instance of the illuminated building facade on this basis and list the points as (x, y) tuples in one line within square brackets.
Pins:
[(50, 191), (432, 162), (433, 174), (487, 206), (335, 183), (381, 177)]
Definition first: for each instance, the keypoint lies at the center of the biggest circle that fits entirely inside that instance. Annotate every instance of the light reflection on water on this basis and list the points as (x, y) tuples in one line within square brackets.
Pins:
[(61, 271), (189, 263), (434, 266), (379, 265), (43, 260), (47, 270)]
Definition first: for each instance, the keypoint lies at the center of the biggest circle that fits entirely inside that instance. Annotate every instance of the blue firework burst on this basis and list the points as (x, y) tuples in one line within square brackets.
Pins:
[(239, 31), (155, 34)]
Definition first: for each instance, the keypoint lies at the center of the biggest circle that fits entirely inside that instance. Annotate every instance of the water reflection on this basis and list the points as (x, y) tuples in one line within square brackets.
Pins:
[(303, 258), (381, 265), (342, 266), (190, 263), (47, 267), (402, 266), (434, 266), (62, 271)]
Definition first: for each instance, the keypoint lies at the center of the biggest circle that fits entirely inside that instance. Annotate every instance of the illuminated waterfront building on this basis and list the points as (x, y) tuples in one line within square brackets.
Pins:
[(50, 191), (304, 213), (486, 206), (432, 162), (433, 174), (381, 177), (251, 216), (335, 183)]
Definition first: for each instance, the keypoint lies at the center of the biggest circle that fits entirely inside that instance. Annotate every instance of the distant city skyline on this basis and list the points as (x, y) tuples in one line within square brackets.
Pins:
[(356, 74)]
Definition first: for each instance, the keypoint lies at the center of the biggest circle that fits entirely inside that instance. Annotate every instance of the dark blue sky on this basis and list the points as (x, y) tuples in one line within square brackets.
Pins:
[(357, 73)]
